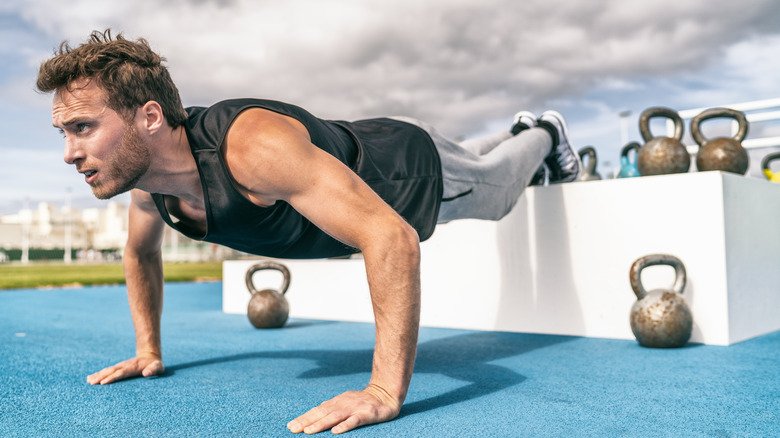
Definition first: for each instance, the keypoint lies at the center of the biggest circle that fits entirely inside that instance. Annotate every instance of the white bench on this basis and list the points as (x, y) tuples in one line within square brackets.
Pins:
[(558, 263)]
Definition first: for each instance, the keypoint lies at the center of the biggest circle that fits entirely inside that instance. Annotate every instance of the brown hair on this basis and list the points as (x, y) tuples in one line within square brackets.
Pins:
[(129, 71)]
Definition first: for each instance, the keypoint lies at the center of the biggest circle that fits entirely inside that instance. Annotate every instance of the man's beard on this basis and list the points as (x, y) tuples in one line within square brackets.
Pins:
[(126, 165)]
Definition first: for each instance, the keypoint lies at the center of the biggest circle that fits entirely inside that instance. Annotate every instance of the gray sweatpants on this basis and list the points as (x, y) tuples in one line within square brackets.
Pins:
[(484, 177)]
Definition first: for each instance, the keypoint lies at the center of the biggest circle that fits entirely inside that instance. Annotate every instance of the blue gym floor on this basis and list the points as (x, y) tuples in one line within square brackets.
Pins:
[(225, 378)]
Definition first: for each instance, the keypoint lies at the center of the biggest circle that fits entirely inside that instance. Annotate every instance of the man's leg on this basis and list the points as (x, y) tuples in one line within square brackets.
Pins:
[(482, 145), (486, 186), (561, 165)]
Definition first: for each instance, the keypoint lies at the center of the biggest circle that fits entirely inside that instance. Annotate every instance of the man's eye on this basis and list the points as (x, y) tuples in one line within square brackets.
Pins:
[(81, 127)]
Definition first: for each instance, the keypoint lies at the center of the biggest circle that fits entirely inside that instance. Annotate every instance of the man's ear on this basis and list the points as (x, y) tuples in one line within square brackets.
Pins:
[(151, 117)]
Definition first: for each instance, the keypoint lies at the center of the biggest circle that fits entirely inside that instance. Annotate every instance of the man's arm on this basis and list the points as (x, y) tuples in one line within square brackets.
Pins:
[(143, 273), (282, 164)]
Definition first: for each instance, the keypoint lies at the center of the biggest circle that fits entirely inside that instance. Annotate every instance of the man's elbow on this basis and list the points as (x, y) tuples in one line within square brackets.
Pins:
[(134, 254), (405, 240), (393, 238)]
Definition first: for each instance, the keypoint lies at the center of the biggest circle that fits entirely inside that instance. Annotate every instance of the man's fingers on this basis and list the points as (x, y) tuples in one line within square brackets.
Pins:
[(348, 424), (343, 413), (298, 424), (129, 368), (95, 378), (324, 423), (113, 377)]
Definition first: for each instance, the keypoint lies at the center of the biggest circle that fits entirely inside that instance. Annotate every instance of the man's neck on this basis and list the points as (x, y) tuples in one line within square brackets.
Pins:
[(173, 170)]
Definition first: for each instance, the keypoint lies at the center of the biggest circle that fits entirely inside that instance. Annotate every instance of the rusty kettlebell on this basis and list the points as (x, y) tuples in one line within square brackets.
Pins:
[(721, 153), (660, 318), (771, 176), (268, 308), (589, 173), (628, 168), (662, 155)]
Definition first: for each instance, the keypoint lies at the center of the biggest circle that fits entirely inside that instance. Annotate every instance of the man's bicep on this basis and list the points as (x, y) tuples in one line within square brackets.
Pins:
[(145, 226)]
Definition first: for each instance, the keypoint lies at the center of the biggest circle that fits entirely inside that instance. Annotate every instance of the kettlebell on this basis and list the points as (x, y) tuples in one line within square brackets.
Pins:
[(589, 173), (771, 176), (268, 308), (721, 153), (628, 168), (662, 155), (660, 318)]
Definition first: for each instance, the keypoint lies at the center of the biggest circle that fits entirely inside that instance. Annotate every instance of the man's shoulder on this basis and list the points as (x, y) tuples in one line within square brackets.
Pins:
[(220, 116), (239, 104), (260, 126), (207, 127)]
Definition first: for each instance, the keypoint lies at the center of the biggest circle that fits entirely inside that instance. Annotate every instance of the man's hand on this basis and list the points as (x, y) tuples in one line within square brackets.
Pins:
[(347, 411), (146, 366)]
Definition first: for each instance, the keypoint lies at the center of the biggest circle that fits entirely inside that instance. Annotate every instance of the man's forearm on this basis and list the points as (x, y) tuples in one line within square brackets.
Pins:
[(394, 280), (145, 296)]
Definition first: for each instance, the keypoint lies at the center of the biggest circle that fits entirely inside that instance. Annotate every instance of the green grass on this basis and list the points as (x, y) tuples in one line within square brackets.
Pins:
[(54, 275)]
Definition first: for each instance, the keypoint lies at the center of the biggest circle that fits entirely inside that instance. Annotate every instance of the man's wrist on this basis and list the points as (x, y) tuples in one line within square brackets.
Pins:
[(385, 396), (149, 353)]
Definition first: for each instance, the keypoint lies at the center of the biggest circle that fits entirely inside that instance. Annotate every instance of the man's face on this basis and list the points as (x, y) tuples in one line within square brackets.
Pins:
[(101, 144)]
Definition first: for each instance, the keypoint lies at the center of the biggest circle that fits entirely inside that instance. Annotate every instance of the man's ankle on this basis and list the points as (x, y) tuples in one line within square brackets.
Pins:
[(550, 128)]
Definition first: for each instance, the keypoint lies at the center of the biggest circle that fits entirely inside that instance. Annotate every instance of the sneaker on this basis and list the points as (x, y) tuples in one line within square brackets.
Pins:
[(522, 121), (540, 177), (563, 162)]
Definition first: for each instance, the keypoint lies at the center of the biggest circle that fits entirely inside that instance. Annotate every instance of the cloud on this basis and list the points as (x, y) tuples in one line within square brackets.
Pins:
[(458, 64), (21, 90), (747, 68), (464, 66)]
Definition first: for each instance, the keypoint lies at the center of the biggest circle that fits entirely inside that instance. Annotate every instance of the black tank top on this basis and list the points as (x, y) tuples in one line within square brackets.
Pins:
[(396, 159)]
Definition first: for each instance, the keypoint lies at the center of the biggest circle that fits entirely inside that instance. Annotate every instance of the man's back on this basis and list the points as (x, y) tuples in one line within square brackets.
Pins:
[(397, 160)]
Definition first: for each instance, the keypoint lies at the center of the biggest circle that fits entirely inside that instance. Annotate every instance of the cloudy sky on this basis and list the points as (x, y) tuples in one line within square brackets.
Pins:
[(465, 66)]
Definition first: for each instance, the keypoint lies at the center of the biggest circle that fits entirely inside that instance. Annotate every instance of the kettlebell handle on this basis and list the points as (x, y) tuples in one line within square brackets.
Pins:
[(653, 260), (660, 111), (768, 159), (713, 113), (264, 265), (628, 148), (590, 152)]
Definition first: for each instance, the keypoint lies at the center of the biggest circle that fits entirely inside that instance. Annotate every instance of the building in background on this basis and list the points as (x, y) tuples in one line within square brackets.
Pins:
[(49, 232)]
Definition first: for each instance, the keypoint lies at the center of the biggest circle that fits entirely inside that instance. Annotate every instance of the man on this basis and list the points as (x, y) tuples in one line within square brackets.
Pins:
[(271, 179)]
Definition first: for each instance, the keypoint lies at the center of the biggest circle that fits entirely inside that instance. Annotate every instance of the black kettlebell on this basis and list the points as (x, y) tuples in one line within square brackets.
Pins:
[(660, 318), (268, 308), (722, 153), (589, 173), (662, 155)]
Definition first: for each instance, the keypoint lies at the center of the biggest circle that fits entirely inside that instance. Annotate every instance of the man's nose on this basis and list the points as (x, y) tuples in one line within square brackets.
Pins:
[(73, 152)]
